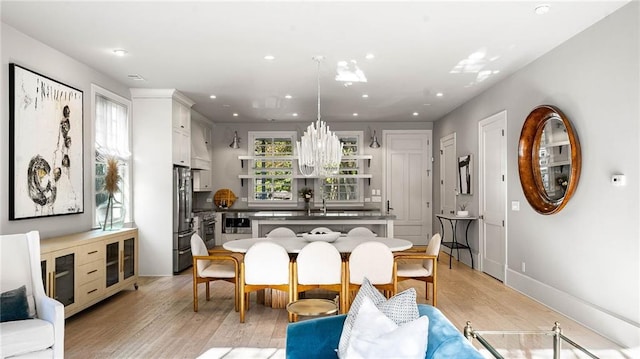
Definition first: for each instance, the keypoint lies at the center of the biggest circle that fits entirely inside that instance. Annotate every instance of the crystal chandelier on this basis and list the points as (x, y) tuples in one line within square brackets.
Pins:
[(319, 149)]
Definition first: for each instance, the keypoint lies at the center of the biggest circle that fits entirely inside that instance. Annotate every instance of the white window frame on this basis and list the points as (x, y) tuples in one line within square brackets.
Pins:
[(359, 200), (252, 202), (95, 91)]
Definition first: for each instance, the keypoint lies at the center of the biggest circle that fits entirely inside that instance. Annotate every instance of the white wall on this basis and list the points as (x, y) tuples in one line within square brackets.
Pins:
[(34, 55), (585, 260)]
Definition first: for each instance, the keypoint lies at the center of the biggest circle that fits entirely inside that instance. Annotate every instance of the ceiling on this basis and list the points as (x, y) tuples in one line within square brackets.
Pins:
[(420, 48)]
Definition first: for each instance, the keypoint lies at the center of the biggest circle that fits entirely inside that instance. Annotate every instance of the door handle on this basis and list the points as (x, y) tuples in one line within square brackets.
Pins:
[(481, 216)]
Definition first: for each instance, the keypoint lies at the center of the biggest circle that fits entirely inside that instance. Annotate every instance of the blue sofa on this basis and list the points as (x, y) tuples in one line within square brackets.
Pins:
[(319, 338)]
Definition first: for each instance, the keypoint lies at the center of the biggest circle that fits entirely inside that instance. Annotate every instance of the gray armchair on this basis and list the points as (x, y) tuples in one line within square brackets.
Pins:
[(42, 335)]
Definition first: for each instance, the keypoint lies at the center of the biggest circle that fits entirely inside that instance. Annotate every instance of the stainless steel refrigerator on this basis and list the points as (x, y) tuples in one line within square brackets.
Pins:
[(182, 220)]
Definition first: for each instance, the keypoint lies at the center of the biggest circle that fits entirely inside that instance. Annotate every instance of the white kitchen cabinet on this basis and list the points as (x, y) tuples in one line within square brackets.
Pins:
[(181, 134), (202, 181)]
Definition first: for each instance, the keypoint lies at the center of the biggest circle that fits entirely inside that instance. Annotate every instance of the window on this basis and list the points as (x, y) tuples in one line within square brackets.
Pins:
[(343, 189), (272, 168), (111, 139)]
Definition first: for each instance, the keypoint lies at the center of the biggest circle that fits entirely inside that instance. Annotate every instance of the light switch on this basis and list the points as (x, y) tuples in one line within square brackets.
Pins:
[(515, 205)]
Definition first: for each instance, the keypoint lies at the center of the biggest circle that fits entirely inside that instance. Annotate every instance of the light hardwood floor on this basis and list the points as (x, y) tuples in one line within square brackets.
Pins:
[(157, 320)]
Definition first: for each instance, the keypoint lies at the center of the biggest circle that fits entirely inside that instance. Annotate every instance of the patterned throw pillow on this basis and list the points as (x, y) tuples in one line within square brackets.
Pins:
[(401, 308)]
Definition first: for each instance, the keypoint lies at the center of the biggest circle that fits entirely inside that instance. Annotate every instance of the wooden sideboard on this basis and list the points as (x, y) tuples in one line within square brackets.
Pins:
[(81, 269)]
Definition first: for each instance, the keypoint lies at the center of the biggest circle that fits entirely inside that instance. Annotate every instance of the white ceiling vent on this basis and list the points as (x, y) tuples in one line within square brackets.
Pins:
[(135, 77)]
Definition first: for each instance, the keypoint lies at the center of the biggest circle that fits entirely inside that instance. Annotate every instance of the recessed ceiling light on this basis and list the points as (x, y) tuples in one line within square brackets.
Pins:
[(212, 96), (235, 114), (439, 94), (542, 9), (295, 114), (364, 95), (355, 114), (269, 57), (288, 96), (426, 104), (415, 114), (120, 52), (369, 56)]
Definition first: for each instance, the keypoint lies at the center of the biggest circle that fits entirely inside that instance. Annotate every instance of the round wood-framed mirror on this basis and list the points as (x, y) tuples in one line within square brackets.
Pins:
[(549, 159)]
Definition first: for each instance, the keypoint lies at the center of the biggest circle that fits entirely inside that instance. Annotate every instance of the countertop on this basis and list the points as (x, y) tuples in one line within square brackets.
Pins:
[(316, 215)]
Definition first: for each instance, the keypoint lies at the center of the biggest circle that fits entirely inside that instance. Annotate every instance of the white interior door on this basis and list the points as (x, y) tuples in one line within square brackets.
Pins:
[(408, 183), (493, 188), (448, 174)]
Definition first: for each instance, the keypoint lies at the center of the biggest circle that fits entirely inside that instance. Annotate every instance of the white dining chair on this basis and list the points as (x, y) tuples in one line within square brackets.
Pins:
[(266, 265), (281, 232), (208, 267), (425, 270), (360, 232), (319, 265), (373, 260)]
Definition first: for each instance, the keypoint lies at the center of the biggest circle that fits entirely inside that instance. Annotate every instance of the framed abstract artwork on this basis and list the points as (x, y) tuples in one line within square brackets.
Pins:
[(45, 146), (464, 174)]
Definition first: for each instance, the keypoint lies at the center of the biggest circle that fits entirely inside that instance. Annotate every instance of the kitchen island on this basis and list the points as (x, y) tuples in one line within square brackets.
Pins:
[(339, 221)]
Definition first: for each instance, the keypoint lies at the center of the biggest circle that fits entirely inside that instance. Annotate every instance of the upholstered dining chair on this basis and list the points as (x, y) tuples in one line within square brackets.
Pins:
[(266, 265), (281, 232), (32, 324), (373, 260), (319, 265), (209, 267), (426, 270), (360, 232)]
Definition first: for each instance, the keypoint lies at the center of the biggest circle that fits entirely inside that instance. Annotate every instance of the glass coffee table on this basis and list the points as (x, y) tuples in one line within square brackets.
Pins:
[(527, 343)]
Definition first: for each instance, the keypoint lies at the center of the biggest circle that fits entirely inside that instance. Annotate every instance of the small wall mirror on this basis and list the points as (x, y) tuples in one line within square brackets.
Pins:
[(549, 159)]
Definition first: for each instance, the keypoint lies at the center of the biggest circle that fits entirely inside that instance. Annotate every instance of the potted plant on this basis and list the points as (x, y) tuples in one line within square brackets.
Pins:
[(463, 210)]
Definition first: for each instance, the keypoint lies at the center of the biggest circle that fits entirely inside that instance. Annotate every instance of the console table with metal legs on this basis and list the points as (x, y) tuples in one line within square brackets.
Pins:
[(454, 244)]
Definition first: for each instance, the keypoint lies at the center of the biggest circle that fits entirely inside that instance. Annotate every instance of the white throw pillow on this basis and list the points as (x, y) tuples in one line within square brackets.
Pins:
[(401, 308), (374, 335)]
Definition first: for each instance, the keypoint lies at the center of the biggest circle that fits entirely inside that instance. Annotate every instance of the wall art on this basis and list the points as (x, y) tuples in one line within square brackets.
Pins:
[(464, 174), (45, 146)]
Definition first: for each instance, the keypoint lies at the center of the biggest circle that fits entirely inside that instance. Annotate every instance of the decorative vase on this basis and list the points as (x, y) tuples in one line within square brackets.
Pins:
[(111, 215), (462, 213), (307, 207)]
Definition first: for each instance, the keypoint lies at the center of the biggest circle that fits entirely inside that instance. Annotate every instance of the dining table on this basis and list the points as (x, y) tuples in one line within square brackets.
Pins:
[(294, 245)]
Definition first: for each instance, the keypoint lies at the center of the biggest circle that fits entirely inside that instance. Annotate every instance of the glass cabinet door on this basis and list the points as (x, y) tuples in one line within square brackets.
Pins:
[(129, 258), (113, 263), (64, 279), (43, 268)]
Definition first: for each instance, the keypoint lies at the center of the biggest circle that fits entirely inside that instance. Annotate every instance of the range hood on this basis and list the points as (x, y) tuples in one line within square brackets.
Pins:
[(200, 159)]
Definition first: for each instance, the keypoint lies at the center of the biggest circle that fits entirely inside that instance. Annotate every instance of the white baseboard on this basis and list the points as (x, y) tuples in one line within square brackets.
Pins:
[(616, 329)]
